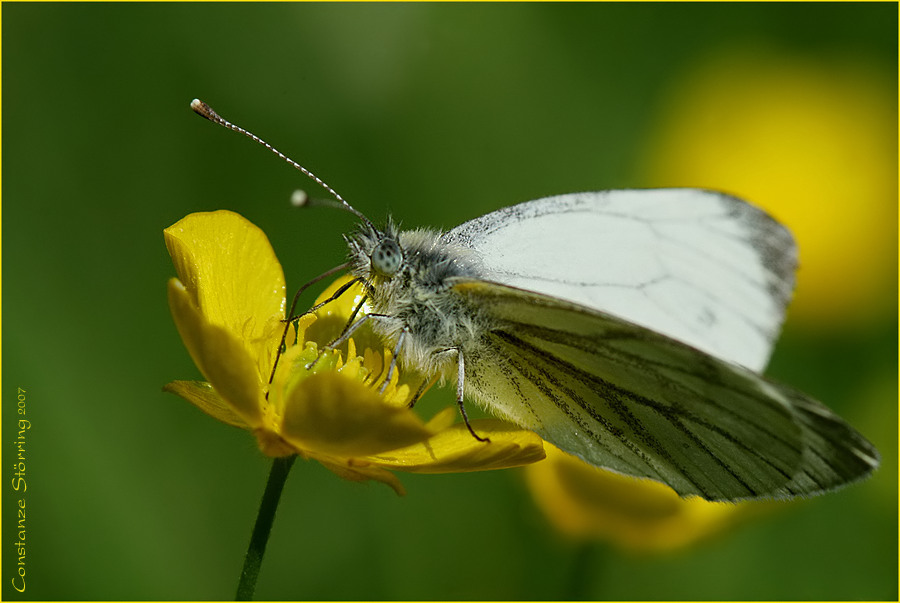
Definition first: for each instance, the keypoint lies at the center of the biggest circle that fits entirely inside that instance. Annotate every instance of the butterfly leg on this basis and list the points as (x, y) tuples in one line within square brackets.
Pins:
[(392, 367), (419, 392), (348, 332), (460, 378), (290, 316)]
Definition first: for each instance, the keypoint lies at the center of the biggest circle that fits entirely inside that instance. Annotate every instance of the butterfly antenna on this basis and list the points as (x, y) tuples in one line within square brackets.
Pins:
[(204, 110)]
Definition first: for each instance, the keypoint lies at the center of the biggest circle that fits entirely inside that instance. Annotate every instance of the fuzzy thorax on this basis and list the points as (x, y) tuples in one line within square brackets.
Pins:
[(417, 296)]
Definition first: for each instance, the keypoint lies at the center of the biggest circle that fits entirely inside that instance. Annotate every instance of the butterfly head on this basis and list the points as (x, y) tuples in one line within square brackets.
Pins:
[(376, 254)]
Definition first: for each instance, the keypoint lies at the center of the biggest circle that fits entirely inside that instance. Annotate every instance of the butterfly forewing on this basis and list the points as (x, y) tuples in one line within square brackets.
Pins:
[(835, 453), (702, 267), (628, 399)]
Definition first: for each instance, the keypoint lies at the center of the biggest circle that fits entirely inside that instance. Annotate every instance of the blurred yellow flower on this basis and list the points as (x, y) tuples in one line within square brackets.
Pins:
[(228, 304), (587, 503), (815, 144)]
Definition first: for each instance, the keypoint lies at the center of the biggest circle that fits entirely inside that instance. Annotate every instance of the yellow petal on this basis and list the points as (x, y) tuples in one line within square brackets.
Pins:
[(443, 420), (585, 502), (232, 275), (203, 396), (344, 468), (336, 415), (455, 450), (220, 356), (272, 444)]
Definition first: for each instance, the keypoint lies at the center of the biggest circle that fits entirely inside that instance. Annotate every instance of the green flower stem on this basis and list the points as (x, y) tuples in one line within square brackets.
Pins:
[(253, 561), (584, 572)]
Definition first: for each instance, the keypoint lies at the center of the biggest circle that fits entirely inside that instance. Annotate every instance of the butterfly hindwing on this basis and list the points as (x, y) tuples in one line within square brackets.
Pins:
[(628, 399)]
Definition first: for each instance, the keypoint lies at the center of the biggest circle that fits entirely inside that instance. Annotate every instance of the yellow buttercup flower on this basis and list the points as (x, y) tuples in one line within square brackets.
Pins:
[(228, 304), (587, 503)]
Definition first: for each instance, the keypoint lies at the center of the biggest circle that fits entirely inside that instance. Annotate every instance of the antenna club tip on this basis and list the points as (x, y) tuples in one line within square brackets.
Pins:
[(202, 109), (299, 198)]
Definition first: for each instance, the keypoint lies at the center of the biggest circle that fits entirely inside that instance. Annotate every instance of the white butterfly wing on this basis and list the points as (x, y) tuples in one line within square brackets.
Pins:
[(702, 267), (628, 399)]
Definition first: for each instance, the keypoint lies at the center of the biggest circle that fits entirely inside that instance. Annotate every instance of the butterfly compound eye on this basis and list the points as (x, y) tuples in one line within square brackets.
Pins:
[(387, 257)]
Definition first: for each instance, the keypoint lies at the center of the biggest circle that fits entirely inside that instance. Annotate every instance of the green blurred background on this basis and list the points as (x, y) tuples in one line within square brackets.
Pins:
[(434, 112)]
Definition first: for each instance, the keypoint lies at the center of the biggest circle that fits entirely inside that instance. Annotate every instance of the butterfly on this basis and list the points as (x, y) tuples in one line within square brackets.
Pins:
[(629, 328)]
